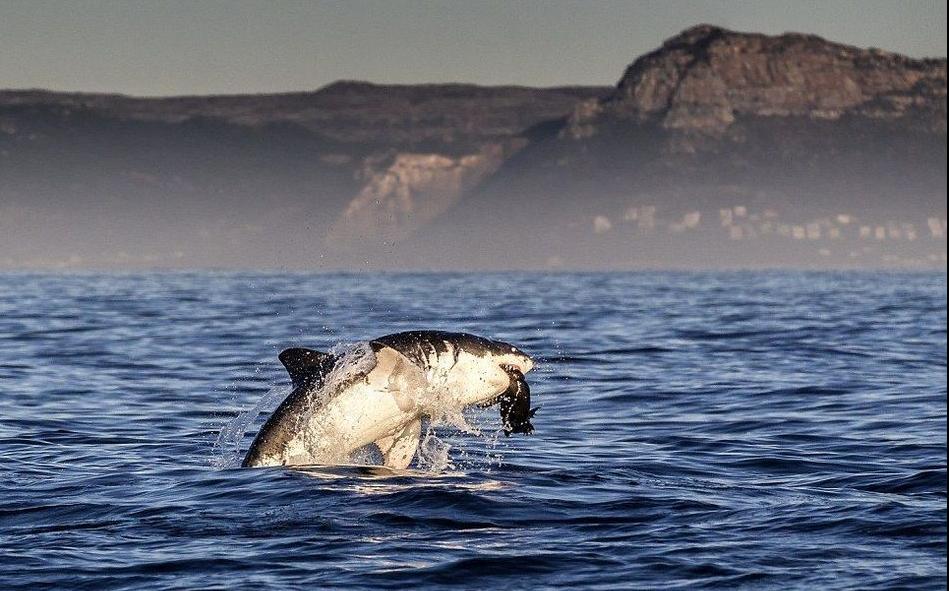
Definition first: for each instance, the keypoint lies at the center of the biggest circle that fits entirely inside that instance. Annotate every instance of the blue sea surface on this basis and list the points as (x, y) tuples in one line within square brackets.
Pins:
[(761, 430)]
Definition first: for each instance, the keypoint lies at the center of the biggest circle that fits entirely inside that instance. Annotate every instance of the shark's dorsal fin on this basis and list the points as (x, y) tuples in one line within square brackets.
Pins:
[(306, 366)]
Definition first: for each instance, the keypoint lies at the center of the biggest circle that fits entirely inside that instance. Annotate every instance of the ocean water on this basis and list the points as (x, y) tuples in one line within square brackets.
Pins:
[(720, 430)]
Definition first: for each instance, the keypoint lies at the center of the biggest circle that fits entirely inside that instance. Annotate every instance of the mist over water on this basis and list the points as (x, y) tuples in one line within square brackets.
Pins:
[(773, 430)]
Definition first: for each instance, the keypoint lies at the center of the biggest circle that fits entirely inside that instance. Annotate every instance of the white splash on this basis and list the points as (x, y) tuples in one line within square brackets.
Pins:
[(318, 439), (353, 359), (227, 447)]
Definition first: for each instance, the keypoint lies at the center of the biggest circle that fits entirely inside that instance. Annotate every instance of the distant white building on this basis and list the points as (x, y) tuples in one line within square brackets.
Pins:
[(602, 224), (813, 231), (909, 230), (937, 228), (692, 219), (643, 215), (647, 217)]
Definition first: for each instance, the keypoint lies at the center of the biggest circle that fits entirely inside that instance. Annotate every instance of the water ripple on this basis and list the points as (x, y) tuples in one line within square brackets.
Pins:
[(706, 430)]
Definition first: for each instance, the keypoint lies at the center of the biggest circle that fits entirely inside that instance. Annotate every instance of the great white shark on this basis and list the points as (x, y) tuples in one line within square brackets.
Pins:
[(407, 376)]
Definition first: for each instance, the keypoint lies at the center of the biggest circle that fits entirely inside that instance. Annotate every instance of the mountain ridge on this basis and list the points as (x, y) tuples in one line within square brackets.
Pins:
[(792, 130)]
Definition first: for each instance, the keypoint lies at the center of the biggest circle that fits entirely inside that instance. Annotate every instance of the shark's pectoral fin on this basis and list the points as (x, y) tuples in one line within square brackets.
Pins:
[(399, 449), (397, 375)]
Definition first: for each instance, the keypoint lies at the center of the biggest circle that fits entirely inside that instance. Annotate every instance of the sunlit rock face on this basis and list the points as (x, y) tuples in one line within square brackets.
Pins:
[(706, 77), (405, 193)]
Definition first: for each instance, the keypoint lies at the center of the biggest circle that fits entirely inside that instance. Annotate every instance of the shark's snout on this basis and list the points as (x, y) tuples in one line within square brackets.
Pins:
[(515, 358)]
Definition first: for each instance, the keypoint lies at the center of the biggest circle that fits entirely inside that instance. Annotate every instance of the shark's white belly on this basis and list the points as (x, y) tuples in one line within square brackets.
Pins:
[(357, 417)]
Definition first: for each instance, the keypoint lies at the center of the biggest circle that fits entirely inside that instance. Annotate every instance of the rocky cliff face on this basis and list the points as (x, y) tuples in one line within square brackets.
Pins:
[(723, 148), (406, 192), (706, 78)]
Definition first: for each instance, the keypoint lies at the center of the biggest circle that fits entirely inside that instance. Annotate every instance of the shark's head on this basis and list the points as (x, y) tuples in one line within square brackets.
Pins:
[(515, 401), (483, 371), (509, 356)]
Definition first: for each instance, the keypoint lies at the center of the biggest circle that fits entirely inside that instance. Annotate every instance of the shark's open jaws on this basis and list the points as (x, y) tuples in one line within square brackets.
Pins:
[(339, 406)]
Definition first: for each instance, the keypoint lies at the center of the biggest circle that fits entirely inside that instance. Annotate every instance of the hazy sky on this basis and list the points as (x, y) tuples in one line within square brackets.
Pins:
[(199, 47)]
